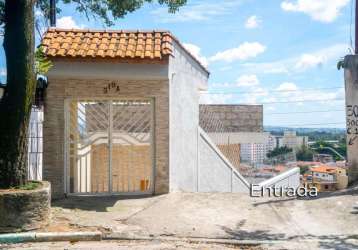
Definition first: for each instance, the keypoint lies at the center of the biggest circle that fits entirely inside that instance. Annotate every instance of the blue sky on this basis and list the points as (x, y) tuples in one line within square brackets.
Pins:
[(282, 53)]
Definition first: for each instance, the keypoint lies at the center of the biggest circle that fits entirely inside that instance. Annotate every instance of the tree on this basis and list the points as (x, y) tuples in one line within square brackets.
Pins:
[(279, 151), (304, 153), (322, 147), (17, 19)]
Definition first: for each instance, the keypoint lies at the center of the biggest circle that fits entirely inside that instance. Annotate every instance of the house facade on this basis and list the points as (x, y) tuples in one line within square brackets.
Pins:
[(327, 178), (121, 116)]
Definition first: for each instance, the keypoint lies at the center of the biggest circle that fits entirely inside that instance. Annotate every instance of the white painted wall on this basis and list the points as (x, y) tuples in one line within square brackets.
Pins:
[(323, 176), (216, 174), (290, 178), (106, 70), (186, 77)]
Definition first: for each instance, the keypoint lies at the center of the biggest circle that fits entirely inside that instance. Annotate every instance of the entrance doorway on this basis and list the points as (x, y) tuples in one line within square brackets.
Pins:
[(109, 147)]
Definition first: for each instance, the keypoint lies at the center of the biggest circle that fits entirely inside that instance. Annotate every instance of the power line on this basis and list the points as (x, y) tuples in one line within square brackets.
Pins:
[(267, 91), (311, 124), (298, 101), (350, 24), (303, 112)]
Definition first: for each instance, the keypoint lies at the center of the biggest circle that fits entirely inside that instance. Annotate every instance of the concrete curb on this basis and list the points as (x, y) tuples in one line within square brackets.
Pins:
[(193, 240), (53, 236)]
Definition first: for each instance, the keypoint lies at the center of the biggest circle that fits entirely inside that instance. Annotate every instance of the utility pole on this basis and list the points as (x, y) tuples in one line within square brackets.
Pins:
[(351, 92), (356, 29), (53, 13)]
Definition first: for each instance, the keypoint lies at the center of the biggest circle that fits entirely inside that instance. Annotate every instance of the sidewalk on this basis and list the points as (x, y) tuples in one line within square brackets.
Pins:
[(326, 222)]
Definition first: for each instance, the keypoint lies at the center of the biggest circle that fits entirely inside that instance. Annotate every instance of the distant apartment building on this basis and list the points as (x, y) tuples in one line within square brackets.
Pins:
[(255, 152), (291, 140)]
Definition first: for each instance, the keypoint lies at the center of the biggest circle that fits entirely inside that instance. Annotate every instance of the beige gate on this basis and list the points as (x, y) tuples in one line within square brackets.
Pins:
[(109, 147)]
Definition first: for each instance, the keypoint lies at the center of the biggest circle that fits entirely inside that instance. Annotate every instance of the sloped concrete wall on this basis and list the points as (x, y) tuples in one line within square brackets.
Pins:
[(215, 173), (288, 179)]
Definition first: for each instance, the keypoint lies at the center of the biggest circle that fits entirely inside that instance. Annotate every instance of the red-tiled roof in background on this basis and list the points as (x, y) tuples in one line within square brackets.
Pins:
[(323, 169)]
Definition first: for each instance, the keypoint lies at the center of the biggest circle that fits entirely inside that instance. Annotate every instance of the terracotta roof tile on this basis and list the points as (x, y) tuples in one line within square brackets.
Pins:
[(113, 44), (324, 169), (123, 44)]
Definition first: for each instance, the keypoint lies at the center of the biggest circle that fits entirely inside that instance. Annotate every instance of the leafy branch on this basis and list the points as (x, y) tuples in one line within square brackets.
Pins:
[(42, 63)]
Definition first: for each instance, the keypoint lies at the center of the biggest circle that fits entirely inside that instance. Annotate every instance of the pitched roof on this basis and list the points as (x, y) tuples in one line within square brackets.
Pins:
[(324, 169), (107, 44)]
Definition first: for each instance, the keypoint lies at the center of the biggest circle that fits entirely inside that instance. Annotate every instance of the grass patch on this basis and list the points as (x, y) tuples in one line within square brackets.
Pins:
[(31, 185)]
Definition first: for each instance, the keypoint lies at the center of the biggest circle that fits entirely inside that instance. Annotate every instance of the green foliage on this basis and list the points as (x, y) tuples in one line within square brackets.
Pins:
[(42, 63), (31, 185), (106, 10), (342, 63), (279, 151), (304, 154), (340, 147), (324, 135), (304, 169)]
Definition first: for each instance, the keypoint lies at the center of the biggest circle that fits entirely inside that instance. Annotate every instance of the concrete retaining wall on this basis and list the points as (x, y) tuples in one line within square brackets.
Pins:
[(215, 172), (24, 210), (290, 178), (234, 118)]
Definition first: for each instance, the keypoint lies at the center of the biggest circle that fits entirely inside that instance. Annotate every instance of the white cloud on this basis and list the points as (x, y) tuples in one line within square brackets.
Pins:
[(328, 55), (256, 95), (207, 98), (247, 81), (199, 11), (287, 86), (309, 61), (242, 52), (195, 51), (252, 22), (270, 108), (67, 22), (288, 91), (320, 10)]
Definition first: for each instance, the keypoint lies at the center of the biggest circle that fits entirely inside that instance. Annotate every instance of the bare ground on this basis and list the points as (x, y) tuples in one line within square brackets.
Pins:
[(327, 222)]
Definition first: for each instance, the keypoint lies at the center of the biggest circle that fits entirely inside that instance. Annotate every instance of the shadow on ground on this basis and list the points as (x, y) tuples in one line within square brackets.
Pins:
[(341, 242), (93, 203)]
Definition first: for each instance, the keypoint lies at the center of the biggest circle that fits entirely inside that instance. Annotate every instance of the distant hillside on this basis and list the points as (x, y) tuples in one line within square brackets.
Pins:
[(314, 134), (305, 130)]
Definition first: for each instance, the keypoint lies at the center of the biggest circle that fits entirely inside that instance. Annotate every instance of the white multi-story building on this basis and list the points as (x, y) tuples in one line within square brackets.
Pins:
[(291, 140), (256, 153), (253, 152)]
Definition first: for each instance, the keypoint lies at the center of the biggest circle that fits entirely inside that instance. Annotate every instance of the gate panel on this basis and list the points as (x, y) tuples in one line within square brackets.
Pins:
[(110, 146), (131, 146), (89, 147)]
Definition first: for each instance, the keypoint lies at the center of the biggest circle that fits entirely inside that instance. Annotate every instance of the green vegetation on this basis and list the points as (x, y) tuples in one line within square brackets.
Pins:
[(31, 185), (323, 135), (341, 147), (279, 151), (304, 154), (42, 63), (304, 169)]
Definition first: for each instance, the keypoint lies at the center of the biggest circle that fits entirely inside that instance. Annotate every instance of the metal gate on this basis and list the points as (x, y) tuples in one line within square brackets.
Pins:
[(109, 146)]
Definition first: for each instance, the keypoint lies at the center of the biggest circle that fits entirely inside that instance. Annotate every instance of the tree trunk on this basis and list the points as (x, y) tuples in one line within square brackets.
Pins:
[(15, 106)]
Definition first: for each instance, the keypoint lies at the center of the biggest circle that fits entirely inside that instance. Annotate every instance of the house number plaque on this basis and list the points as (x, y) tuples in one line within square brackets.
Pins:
[(111, 87)]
